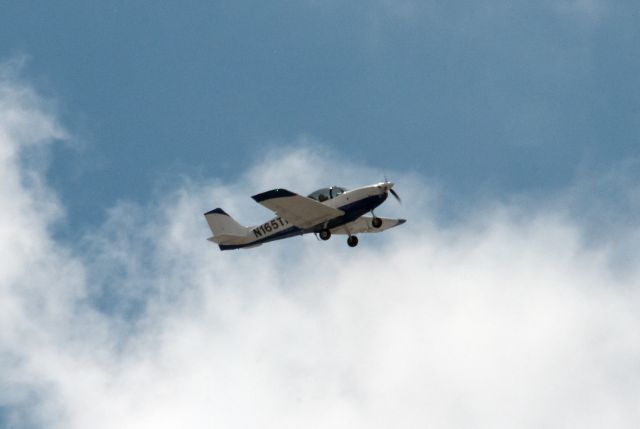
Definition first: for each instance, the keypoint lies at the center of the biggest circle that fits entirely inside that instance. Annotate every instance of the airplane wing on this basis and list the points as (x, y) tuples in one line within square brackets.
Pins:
[(300, 211), (363, 225)]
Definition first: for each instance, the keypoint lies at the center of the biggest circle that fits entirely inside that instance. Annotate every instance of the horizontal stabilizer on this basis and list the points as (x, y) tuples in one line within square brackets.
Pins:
[(226, 239)]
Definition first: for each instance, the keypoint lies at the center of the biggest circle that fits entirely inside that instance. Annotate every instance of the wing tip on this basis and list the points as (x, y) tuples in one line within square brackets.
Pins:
[(274, 193)]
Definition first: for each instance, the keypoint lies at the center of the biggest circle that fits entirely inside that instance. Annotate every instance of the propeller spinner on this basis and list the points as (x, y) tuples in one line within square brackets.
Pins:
[(388, 186)]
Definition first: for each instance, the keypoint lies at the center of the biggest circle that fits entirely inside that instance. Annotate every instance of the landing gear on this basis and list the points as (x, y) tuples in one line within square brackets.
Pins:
[(352, 241), (325, 234), (376, 222)]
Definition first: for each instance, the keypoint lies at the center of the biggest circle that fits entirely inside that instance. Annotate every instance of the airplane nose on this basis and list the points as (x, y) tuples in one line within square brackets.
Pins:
[(385, 186)]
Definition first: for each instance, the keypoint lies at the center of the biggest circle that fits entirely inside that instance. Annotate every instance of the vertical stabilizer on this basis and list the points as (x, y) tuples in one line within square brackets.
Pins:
[(222, 224)]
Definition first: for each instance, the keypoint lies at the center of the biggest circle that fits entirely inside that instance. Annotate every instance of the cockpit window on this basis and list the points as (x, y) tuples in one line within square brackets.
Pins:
[(325, 194), (335, 191), (320, 195)]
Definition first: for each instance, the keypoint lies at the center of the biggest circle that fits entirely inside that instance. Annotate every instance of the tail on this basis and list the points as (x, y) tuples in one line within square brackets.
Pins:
[(224, 228)]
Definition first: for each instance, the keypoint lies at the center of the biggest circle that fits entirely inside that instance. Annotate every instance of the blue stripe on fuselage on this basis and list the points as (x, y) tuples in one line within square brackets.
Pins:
[(353, 211), (285, 233)]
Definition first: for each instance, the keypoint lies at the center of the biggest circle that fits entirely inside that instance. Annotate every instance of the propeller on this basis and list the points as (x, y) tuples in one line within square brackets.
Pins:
[(395, 194), (389, 187)]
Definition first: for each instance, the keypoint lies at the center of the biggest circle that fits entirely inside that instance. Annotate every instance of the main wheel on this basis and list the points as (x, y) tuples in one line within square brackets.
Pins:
[(352, 241), (376, 222), (325, 234)]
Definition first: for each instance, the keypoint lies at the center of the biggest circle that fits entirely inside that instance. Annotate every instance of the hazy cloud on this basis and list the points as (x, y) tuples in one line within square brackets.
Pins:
[(507, 318)]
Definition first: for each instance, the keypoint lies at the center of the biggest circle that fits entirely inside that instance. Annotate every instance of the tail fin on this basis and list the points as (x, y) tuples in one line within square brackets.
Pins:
[(224, 226)]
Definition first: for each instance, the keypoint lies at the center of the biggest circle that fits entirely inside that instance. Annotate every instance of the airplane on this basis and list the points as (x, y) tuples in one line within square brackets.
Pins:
[(325, 212)]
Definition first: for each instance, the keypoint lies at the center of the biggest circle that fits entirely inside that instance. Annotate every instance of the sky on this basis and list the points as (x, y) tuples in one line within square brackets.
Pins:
[(483, 98), (510, 298)]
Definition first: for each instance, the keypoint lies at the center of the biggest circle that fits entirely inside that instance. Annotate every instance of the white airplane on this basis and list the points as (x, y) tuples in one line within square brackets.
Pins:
[(325, 212)]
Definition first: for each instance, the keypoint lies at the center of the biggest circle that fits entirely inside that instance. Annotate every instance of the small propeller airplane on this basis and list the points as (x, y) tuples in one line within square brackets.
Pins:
[(324, 212)]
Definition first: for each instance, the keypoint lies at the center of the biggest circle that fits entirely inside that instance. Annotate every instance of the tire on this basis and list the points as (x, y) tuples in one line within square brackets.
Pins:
[(376, 222), (352, 241), (325, 234)]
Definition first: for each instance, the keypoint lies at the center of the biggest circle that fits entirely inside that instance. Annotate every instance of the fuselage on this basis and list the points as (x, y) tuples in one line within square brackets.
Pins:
[(354, 203)]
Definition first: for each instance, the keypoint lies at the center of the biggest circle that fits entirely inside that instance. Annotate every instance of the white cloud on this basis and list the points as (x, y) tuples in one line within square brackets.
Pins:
[(506, 319)]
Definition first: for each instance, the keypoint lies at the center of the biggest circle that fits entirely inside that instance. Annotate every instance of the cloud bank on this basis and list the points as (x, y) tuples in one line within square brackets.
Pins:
[(509, 317)]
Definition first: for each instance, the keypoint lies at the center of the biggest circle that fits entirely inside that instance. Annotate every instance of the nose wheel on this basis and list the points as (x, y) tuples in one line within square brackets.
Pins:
[(352, 241)]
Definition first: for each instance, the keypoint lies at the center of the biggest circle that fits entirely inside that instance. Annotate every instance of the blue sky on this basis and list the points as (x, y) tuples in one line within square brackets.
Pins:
[(510, 298), (482, 98)]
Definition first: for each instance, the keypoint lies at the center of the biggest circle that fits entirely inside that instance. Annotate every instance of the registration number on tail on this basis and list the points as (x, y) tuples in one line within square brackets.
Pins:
[(268, 227)]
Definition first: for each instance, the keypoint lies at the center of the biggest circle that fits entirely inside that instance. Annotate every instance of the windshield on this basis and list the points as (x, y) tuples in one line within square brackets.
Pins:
[(325, 194), (336, 190)]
